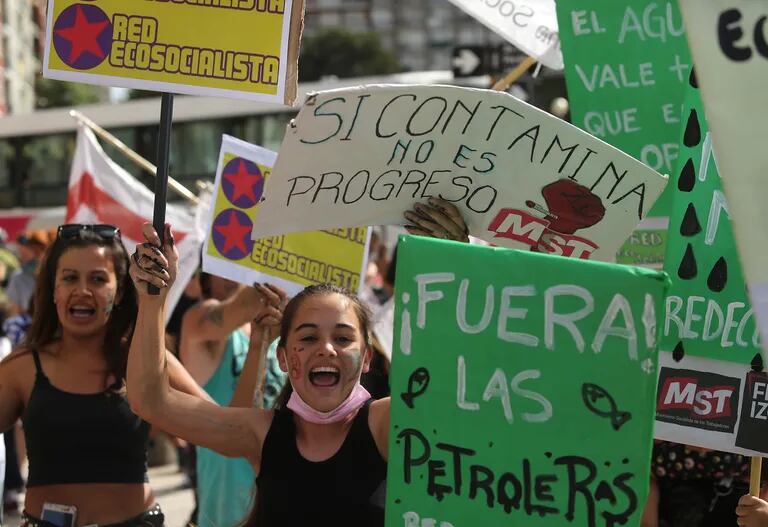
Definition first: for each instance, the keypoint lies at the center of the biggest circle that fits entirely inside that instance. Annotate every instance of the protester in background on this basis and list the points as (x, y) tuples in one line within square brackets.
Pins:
[(695, 487), (13, 328), (8, 262), (192, 295), (321, 458), (5, 350), (86, 448), (6, 345), (216, 337), (376, 380), (21, 284), (185, 452), (371, 292)]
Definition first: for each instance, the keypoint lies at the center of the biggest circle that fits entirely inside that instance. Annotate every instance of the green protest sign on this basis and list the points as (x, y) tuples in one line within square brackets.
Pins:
[(522, 388), (709, 337), (708, 312), (626, 64), (647, 246)]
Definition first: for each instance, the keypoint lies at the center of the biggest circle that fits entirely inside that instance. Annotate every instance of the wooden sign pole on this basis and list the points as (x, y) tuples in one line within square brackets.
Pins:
[(754, 475), (515, 74)]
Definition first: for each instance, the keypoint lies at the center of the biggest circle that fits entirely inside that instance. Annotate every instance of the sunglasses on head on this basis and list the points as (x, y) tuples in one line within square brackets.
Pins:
[(74, 230)]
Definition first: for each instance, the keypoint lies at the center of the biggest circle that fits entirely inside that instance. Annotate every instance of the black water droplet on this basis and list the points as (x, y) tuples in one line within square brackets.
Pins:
[(398, 501), (688, 269), (718, 276), (434, 431), (687, 179), (548, 454), (692, 135), (625, 460), (692, 80), (490, 444), (757, 362), (690, 225), (679, 352), (607, 463)]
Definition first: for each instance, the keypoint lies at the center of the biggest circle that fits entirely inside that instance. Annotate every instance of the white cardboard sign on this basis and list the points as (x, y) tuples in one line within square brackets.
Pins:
[(529, 25), (521, 177), (729, 42)]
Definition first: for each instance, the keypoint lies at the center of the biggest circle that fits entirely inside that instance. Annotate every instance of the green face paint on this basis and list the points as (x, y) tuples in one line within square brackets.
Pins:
[(110, 304)]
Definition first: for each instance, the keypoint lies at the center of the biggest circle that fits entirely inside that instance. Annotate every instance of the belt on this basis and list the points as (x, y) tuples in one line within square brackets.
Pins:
[(154, 517)]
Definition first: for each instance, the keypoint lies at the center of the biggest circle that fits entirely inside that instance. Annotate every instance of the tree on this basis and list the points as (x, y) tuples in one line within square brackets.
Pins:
[(51, 93), (344, 54)]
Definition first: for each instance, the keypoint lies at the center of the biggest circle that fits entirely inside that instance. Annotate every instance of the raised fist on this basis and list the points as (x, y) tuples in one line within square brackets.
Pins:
[(571, 206)]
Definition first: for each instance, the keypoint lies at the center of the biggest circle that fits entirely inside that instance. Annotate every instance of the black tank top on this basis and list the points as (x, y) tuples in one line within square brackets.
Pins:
[(76, 438), (346, 490)]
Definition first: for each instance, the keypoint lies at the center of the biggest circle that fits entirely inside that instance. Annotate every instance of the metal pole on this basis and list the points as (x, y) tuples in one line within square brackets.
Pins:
[(163, 160)]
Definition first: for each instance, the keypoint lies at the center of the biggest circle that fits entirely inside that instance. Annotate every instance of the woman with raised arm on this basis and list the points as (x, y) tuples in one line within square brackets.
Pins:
[(86, 448), (326, 447)]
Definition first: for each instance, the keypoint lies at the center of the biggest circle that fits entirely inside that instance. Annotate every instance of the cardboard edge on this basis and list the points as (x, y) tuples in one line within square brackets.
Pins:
[(48, 37), (294, 47)]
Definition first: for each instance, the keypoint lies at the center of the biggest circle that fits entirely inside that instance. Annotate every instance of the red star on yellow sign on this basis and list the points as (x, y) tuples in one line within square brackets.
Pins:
[(234, 234), (242, 183), (83, 36)]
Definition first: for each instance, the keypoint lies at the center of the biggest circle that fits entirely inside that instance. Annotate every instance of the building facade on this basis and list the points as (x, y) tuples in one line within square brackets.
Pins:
[(22, 30)]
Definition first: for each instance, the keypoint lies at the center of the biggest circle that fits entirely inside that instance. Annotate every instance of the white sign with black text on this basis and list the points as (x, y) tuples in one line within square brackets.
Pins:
[(520, 177)]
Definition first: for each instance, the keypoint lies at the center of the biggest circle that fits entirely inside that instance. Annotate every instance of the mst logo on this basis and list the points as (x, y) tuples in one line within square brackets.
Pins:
[(569, 208), (698, 399), (707, 402), (522, 227)]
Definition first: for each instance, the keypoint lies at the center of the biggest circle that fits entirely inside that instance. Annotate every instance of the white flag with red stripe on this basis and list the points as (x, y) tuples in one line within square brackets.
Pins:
[(100, 191)]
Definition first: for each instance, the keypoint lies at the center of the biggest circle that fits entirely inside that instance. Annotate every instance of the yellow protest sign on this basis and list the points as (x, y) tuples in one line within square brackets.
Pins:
[(292, 261), (230, 48)]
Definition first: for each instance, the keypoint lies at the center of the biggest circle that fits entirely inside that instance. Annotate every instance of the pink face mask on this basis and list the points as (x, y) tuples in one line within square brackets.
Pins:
[(352, 404)]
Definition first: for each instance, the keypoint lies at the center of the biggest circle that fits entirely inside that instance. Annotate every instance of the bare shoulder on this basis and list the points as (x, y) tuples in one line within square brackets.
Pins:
[(378, 422), (17, 370), (378, 414), (380, 408), (19, 361)]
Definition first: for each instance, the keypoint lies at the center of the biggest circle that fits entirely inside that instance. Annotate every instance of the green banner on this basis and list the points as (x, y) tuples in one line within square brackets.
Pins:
[(644, 247), (708, 394), (626, 64), (523, 388), (708, 312)]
